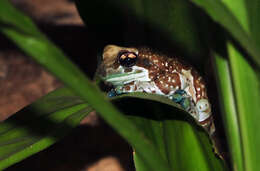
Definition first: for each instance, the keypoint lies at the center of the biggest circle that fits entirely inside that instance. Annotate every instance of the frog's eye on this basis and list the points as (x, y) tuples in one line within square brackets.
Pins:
[(202, 105), (127, 59)]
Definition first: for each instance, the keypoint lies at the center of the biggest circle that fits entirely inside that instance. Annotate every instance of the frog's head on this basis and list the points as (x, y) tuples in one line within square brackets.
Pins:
[(120, 66)]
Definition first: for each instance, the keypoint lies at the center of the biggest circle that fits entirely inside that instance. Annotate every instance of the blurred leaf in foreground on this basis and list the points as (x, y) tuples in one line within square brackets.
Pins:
[(40, 125)]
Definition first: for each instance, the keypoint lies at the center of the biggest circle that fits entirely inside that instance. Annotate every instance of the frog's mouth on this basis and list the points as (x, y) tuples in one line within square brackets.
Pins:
[(121, 78)]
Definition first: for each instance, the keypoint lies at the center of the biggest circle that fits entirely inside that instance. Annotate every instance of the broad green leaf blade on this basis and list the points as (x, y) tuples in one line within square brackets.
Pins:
[(39, 125), (139, 163), (240, 19), (247, 93), (189, 148), (229, 113), (179, 139), (253, 8), (53, 59), (221, 14), (239, 11), (247, 13), (24, 23), (172, 28), (246, 81)]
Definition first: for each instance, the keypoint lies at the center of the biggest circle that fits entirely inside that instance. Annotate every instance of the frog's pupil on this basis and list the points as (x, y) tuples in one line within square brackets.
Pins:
[(127, 59)]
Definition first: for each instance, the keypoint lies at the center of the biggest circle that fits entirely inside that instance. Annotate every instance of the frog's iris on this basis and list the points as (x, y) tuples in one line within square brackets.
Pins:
[(127, 59)]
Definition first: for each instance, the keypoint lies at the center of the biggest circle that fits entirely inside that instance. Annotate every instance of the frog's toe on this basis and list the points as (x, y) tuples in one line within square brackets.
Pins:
[(176, 98), (185, 103), (112, 93)]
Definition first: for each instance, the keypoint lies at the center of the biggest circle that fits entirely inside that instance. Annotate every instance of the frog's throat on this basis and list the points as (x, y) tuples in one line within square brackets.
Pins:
[(121, 78)]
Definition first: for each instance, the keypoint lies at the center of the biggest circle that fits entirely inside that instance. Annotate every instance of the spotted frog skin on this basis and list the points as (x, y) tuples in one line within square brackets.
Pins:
[(142, 70)]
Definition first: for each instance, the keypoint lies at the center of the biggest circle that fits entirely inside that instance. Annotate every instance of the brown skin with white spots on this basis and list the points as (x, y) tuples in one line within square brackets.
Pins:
[(165, 72)]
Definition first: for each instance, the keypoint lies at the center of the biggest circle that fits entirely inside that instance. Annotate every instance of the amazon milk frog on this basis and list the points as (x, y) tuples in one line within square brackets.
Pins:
[(142, 70)]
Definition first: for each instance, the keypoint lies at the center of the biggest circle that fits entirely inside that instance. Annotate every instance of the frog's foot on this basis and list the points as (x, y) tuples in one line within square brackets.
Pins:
[(204, 109), (178, 96), (115, 92), (111, 93), (181, 97)]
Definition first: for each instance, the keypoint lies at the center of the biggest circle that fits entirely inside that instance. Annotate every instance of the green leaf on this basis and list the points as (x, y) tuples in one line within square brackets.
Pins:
[(221, 14), (240, 19), (169, 26), (39, 125), (253, 17), (176, 135), (247, 13), (245, 77), (247, 92), (229, 111), (24, 23)]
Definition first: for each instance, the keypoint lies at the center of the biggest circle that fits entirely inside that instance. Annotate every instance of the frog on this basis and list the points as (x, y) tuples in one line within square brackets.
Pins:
[(131, 69)]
